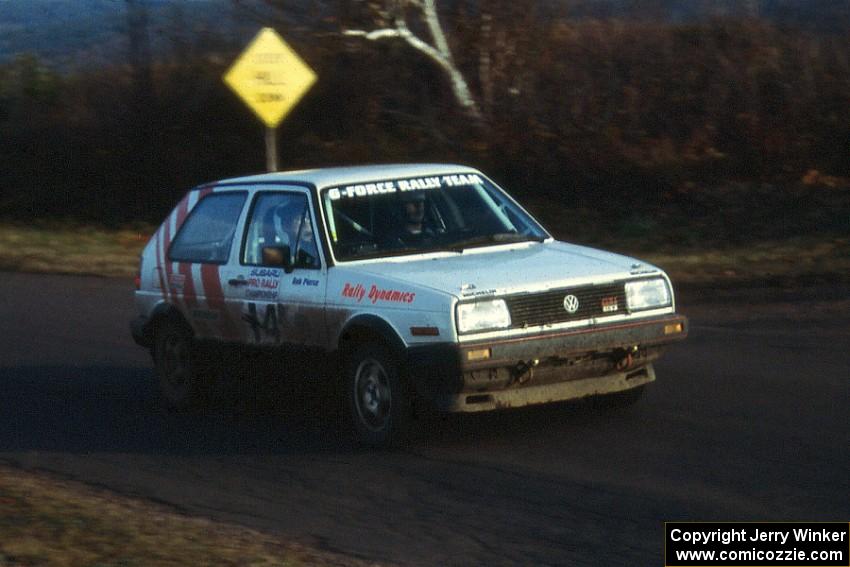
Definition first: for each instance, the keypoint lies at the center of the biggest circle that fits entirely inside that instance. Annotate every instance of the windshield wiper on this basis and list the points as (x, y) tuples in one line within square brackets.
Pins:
[(455, 247), (497, 238), (401, 251)]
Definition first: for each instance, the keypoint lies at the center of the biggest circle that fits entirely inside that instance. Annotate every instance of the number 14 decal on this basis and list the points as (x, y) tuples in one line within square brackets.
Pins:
[(268, 327)]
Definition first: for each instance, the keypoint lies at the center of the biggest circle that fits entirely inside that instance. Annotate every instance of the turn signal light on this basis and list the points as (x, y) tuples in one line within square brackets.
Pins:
[(672, 329), (480, 354), (425, 331)]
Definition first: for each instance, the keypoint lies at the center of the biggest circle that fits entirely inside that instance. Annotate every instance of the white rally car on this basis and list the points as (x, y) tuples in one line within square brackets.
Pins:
[(410, 282)]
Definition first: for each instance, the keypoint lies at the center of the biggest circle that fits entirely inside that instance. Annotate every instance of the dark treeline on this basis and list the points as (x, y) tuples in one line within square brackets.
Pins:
[(602, 114)]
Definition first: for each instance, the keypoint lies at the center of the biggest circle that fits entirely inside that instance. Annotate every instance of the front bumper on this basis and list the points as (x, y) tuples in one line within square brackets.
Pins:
[(546, 367), (526, 395)]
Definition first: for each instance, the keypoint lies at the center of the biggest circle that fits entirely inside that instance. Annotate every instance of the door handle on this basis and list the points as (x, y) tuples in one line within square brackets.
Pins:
[(237, 281)]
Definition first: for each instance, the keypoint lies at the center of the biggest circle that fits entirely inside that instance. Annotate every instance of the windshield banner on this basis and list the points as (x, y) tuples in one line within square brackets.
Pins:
[(401, 185)]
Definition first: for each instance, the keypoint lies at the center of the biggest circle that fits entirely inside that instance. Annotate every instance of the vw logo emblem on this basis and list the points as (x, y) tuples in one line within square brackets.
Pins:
[(571, 303)]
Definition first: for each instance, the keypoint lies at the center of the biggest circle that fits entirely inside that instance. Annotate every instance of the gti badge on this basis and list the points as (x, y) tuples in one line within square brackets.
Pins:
[(571, 304)]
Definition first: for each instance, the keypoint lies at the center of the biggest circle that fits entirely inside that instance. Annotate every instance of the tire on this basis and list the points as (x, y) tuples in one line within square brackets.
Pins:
[(621, 399), (378, 397), (175, 360)]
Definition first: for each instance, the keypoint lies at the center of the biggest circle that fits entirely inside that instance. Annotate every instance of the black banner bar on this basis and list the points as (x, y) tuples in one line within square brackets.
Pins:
[(756, 544)]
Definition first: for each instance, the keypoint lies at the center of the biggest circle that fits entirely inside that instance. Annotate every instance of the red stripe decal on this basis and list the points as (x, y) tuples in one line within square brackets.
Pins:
[(189, 294), (182, 210), (183, 268), (209, 277), (190, 297), (204, 191), (212, 284), (176, 281)]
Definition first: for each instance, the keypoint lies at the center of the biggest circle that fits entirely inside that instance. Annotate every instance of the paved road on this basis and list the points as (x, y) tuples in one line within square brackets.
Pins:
[(748, 421)]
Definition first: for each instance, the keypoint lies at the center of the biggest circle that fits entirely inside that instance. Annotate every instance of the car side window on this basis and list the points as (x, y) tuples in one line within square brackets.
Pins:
[(281, 219), (207, 235)]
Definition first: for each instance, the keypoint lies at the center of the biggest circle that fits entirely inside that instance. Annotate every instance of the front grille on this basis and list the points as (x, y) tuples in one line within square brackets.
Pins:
[(547, 307)]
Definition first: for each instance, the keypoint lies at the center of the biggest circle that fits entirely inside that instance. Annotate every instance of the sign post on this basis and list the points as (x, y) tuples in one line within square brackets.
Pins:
[(270, 78), (271, 149)]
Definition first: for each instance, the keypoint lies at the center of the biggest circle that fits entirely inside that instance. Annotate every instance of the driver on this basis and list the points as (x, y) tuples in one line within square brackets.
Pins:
[(412, 229), (287, 222), (293, 229)]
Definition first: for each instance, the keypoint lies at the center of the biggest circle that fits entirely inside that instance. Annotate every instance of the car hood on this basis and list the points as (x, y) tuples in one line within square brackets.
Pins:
[(510, 269)]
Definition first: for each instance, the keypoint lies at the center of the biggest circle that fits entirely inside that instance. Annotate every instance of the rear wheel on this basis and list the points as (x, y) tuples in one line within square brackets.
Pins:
[(176, 365), (378, 398)]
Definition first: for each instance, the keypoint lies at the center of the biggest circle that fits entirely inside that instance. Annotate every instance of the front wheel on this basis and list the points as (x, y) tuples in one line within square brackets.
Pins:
[(378, 399), (176, 366)]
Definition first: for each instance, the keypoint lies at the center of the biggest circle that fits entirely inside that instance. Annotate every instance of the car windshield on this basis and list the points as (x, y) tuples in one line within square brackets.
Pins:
[(394, 217)]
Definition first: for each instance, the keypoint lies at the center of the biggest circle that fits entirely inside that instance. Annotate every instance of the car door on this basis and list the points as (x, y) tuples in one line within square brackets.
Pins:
[(198, 256), (279, 305)]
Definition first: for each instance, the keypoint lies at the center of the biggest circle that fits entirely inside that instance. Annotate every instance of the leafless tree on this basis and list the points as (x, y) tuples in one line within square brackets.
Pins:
[(751, 8), (391, 19), (139, 50)]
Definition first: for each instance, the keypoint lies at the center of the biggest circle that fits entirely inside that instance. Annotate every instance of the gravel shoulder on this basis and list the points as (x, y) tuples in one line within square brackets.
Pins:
[(48, 520)]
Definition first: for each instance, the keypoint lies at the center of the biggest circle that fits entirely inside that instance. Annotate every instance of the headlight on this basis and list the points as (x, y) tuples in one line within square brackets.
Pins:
[(482, 316), (647, 294)]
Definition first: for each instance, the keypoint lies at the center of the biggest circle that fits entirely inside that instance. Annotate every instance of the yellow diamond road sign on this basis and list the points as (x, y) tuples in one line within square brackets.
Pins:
[(270, 77)]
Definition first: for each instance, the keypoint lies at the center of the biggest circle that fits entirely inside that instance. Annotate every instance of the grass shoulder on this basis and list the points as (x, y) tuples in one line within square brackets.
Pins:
[(68, 248), (49, 521), (72, 248)]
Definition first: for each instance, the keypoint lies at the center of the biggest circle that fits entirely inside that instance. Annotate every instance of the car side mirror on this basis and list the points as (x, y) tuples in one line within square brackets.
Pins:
[(278, 257)]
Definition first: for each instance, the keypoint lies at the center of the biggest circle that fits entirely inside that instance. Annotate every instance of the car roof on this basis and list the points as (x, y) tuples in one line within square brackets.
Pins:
[(332, 176)]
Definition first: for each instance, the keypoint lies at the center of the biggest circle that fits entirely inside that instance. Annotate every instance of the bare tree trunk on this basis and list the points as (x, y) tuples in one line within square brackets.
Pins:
[(752, 9), (139, 51), (140, 129), (485, 63), (439, 52)]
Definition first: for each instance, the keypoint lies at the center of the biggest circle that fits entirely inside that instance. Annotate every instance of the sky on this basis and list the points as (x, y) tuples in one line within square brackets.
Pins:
[(73, 33)]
